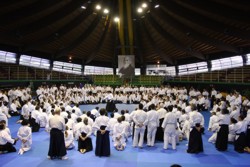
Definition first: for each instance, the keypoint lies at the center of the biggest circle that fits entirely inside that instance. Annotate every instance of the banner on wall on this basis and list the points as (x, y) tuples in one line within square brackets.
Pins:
[(126, 65)]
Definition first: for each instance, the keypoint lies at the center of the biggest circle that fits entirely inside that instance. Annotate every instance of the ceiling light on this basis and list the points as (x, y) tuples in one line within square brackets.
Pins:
[(98, 7), (83, 7), (144, 5), (116, 19), (157, 6), (139, 10), (106, 11)]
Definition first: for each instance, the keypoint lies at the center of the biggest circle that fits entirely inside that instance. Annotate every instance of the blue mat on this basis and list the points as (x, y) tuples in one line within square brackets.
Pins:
[(130, 157)]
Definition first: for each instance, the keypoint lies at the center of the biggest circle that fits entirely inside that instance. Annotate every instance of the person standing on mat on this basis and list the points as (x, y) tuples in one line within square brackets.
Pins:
[(102, 135), (153, 123), (195, 144), (169, 126), (140, 119), (222, 136), (57, 147)]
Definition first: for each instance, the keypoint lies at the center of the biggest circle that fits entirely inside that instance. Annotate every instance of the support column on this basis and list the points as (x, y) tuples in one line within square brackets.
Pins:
[(18, 55), (130, 27), (121, 26)]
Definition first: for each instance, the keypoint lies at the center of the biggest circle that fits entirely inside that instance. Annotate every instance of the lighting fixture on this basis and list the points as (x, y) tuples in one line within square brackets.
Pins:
[(139, 10), (157, 6), (116, 19), (144, 5), (98, 7), (106, 11)]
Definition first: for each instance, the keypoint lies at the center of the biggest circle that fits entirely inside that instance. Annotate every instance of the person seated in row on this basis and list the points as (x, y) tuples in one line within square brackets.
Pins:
[(6, 142)]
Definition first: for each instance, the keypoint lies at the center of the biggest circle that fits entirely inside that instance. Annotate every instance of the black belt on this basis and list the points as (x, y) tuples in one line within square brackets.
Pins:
[(55, 129), (224, 125), (240, 133)]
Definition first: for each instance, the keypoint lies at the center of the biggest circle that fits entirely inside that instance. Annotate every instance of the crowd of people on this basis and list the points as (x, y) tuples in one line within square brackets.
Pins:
[(167, 114)]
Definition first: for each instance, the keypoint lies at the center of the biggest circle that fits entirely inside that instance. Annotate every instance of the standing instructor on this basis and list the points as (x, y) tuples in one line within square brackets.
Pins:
[(57, 147)]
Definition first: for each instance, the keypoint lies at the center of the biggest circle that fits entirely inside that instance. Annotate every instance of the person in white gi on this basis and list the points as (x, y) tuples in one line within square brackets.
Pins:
[(69, 138), (6, 142), (119, 135), (25, 136), (140, 120), (153, 123), (169, 126)]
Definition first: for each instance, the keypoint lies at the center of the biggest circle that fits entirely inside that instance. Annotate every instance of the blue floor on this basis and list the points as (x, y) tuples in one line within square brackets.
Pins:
[(130, 157)]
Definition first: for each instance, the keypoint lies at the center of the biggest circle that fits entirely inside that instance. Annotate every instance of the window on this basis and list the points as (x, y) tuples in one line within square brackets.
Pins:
[(170, 71), (137, 71), (94, 70), (193, 68), (7, 57), (225, 63), (67, 67), (34, 62), (160, 69), (248, 59)]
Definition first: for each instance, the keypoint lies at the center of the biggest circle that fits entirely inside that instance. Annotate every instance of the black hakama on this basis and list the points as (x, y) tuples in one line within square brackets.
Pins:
[(133, 130), (212, 101), (222, 138), (145, 134), (86, 144), (34, 125), (7, 147), (195, 144), (102, 143), (159, 132), (240, 142), (248, 137), (13, 113), (110, 106), (57, 147)]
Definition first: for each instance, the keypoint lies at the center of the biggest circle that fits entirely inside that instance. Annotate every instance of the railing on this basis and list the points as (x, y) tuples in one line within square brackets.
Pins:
[(16, 72), (235, 75)]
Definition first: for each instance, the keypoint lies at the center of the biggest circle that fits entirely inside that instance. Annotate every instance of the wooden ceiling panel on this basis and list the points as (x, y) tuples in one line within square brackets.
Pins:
[(172, 33)]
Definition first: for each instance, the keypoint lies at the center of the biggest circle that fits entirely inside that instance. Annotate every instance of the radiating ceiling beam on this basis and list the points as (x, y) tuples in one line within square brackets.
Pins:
[(101, 41), (153, 43), (80, 39), (138, 43), (25, 11), (192, 14), (49, 19), (59, 33), (178, 24), (240, 5), (218, 10), (7, 3), (175, 42)]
